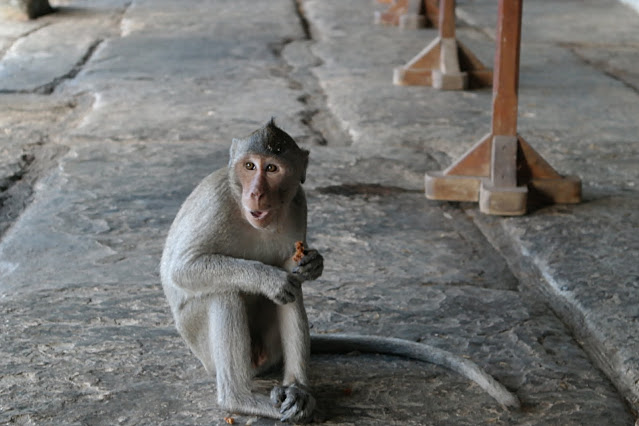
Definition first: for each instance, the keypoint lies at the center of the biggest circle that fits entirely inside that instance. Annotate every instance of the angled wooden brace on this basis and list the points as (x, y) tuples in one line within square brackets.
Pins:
[(445, 63), (502, 171)]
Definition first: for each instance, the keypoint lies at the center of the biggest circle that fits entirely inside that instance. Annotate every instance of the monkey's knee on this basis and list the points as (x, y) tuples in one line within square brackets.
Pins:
[(192, 323)]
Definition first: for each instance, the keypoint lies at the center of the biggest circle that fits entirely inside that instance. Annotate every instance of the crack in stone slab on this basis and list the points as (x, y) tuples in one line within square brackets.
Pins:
[(306, 26), (49, 88), (600, 65), (17, 190), (8, 181), (354, 189), (85, 51), (23, 35)]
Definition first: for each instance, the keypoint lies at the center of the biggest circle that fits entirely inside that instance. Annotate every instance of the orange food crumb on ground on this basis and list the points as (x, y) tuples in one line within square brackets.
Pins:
[(229, 420), (299, 251)]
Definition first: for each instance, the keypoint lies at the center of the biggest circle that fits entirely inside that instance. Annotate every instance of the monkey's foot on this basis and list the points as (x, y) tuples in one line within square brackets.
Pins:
[(295, 403)]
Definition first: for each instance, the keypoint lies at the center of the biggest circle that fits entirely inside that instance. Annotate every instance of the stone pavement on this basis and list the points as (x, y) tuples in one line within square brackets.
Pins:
[(112, 110)]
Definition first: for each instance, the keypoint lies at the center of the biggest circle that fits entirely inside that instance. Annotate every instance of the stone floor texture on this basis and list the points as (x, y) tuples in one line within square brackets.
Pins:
[(111, 111)]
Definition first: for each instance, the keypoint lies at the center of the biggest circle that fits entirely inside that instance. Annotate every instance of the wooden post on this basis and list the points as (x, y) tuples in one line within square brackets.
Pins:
[(31, 9), (506, 68), (447, 19), (408, 13), (430, 9), (501, 168), (445, 63)]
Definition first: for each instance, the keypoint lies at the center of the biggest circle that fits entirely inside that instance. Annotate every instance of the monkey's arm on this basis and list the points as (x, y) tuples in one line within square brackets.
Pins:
[(215, 273), (206, 244)]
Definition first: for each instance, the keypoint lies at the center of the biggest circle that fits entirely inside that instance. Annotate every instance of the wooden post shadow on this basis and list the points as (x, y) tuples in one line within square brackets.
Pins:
[(502, 169), (445, 63), (409, 13)]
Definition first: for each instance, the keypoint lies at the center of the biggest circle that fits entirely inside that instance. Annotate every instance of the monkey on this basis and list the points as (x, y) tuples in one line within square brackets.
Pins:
[(236, 295), (226, 271)]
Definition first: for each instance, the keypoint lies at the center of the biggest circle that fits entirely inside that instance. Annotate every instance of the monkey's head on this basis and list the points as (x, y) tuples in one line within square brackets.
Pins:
[(266, 170)]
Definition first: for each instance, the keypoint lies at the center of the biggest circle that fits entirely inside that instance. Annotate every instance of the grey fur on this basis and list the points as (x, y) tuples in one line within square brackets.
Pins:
[(345, 343)]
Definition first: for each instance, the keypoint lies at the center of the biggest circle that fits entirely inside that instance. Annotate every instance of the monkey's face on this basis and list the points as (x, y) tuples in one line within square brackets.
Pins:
[(268, 186)]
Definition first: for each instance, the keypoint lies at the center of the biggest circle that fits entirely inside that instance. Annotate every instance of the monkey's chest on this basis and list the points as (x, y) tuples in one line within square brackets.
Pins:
[(272, 250)]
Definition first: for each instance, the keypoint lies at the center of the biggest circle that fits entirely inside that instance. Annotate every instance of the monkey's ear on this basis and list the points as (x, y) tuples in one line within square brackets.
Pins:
[(233, 151), (304, 165)]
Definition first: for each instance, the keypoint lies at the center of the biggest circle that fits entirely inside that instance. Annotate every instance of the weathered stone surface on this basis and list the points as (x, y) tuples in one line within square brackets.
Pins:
[(590, 281), (566, 113), (580, 108), (86, 336), (170, 64), (41, 59), (30, 125)]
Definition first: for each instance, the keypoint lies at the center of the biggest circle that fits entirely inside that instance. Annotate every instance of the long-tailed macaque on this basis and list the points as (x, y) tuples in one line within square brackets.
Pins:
[(236, 294)]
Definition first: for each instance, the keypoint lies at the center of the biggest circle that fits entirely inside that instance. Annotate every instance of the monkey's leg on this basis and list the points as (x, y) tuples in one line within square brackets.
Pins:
[(231, 350), (294, 398), (266, 341), (296, 341)]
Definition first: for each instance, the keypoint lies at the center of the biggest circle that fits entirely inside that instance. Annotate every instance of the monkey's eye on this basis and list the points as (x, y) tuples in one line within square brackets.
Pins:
[(249, 165), (271, 168)]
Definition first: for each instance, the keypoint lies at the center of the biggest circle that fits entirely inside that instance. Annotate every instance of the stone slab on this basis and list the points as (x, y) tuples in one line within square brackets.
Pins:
[(578, 114), (86, 334), (77, 345), (38, 60)]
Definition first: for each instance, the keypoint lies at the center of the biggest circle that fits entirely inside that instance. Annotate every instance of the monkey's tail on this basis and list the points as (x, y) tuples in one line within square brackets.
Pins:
[(344, 343)]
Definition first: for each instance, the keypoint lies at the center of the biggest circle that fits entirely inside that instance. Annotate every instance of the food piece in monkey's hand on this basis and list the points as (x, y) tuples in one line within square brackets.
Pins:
[(299, 251), (305, 264)]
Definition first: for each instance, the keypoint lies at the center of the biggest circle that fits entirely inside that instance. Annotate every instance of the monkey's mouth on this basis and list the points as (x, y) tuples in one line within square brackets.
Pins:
[(259, 214)]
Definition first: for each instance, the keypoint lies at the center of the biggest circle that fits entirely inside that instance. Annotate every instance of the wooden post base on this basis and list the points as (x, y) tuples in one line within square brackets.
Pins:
[(409, 14), (508, 201), (25, 9), (444, 64), (505, 175)]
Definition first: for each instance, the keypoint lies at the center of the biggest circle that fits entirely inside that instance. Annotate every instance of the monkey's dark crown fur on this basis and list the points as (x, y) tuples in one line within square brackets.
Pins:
[(271, 139)]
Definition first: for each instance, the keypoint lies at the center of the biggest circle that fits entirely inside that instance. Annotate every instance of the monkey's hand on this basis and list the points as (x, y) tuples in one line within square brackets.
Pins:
[(283, 292), (295, 402), (310, 267)]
